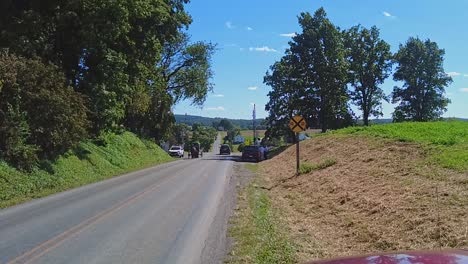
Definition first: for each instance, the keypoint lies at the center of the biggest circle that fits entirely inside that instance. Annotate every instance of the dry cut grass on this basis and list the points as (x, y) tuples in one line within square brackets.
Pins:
[(378, 195)]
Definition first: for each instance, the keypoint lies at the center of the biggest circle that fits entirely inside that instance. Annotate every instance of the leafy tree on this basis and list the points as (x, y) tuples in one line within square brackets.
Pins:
[(420, 68), (369, 65), (180, 134), (285, 96), (226, 124), (311, 79), (105, 61), (231, 134), (186, 69), (205, 135), (184, 72), (38, 111)]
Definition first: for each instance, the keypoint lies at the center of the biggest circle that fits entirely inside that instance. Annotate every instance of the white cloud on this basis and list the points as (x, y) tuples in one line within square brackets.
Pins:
[(453, 74), (387, 14), (231, 45), (464, 90), (263, 49), (288, 35), (230, 25), (218, 95), (465, 75), (219, 108), (249, 28), (252, 88)]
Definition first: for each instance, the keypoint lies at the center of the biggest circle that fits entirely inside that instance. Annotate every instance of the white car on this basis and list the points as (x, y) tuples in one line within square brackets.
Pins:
[(176, 151)]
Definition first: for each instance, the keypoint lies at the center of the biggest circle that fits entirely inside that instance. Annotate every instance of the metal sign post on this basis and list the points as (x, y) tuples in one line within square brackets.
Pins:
[(254, 116), (298, 165), (297, 124)]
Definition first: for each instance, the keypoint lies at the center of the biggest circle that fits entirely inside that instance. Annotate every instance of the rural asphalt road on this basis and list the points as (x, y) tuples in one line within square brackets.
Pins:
[(173, 213)]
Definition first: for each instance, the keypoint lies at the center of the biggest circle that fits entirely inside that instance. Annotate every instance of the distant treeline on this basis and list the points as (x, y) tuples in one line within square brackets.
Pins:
[(214, 122)]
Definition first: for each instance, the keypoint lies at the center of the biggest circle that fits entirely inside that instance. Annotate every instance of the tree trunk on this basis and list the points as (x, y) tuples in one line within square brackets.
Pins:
[(366, 118)]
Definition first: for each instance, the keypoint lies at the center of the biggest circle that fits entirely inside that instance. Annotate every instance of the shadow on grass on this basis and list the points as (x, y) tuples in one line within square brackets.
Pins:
[(276, 151)]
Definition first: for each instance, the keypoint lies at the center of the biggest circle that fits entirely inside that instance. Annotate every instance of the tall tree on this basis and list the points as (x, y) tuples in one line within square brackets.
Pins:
[(369, 65), (183, 73), (285, 96), (420, 68), (314, 72), (105, 61), (226, 124)]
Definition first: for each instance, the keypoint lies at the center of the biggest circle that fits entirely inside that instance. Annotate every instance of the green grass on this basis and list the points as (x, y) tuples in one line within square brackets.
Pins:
[(446, 141), (88, 163), (252, 167), (257, 233), (306, 167)]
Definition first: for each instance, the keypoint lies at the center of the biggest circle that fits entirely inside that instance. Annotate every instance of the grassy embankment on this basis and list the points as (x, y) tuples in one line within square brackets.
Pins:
[(88, 163), (446, 142), (371, 189), (258, 233)]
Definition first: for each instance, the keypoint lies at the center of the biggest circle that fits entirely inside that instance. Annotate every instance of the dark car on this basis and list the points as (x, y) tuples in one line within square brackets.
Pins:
[(416, 257), (225, 150), (195, 150), (253, 153)]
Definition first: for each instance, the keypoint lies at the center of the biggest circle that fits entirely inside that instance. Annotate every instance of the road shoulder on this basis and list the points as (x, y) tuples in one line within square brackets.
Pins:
[(255, 230)]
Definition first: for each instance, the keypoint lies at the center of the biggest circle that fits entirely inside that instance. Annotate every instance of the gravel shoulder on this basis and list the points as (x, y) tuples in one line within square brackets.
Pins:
[(219, 243)]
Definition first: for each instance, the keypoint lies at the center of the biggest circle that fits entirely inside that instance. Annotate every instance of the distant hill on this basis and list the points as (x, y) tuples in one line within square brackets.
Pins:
[(247, 123), (208, 121)]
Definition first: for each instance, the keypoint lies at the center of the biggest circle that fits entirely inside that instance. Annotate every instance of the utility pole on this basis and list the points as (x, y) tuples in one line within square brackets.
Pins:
[(254, 128)]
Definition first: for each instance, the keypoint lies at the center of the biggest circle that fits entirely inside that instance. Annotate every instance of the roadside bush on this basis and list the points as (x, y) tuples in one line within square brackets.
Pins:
[(40, 116), (240, 148)]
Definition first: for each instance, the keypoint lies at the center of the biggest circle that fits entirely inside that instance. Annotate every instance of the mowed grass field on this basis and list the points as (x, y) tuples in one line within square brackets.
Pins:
[(363, 190)]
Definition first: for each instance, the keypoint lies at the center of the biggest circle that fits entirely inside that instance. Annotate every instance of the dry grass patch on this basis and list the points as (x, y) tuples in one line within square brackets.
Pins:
[(380, 195)]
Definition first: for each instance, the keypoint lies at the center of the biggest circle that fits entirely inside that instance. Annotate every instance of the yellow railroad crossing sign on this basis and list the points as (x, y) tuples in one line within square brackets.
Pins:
[(297, 124)]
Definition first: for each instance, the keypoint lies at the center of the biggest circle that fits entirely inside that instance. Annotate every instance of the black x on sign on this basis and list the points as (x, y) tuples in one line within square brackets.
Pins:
[(297, 124)]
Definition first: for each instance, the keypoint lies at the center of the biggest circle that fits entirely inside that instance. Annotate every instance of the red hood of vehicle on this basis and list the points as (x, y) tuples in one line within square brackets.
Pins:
[(415, 257)]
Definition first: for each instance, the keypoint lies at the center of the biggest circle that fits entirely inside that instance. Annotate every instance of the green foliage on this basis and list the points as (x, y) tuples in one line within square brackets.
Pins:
[(206, 136), (83, 74), (284, 99), (420, 68), (180, 134), (38, 112), (258, 232), (214, 122), (306, 167), (231, 134), (132, 70), (369, 65), (310, 79), (240, 148), (186, 68), (225, 124), (447, 141), (85, 164)]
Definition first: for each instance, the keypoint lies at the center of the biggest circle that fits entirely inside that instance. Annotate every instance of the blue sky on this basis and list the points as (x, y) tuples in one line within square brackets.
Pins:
[(252, 35)]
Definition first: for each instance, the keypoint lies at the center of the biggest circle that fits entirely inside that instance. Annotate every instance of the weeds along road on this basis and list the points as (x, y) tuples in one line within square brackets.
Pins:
[(164, 214)]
